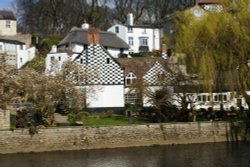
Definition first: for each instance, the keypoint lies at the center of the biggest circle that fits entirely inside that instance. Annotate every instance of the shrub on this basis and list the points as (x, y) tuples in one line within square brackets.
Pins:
[(72, 118)]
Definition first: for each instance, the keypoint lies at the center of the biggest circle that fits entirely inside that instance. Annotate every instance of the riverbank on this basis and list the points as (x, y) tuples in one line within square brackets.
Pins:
[(78, 138)]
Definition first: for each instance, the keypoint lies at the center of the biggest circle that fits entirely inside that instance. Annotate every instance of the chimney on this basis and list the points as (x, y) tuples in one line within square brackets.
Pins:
[(53, 49), (69, 49), (93, 36), (130, 19), (85, 25)]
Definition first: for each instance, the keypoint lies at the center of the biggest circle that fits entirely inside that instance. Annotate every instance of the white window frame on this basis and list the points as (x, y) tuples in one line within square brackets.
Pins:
[(7, 24), (143, 41), (131, 98), (130, 79), (131, 41)]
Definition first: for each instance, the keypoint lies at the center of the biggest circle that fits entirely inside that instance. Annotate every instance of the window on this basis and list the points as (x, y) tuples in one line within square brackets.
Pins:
[(131, 41), (52, 59), (108, 60), (220, 98), (21, 47), (81, 61), (1, 47), (7, 24), (59, 58), (208, 98), (143, 41), (215, 97), (21, 60), (225, 97), (131, 98), (130, 29), (130, 79), (117, 29), (204, 98), (199, 98)]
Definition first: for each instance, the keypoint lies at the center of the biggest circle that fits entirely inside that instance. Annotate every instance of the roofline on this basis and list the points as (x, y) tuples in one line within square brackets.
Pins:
[(12, 41)]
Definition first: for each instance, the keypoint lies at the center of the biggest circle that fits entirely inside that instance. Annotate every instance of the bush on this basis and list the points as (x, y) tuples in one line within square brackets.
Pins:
[(72, 118)]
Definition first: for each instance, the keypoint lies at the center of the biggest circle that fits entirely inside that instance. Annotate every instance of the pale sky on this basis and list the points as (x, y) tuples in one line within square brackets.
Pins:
[(5, 4)]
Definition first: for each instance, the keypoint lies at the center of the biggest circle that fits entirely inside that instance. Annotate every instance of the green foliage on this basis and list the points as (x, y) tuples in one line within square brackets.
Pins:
[(47, 43), (72, 118), (38, 64), (217, 44), (33, 130), (80, 116)]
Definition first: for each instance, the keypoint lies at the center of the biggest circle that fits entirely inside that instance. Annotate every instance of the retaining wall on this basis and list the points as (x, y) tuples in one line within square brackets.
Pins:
[(75, 138), (4, 120)]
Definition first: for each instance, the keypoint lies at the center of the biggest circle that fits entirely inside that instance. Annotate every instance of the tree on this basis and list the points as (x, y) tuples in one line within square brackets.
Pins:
[(7, 93), (159, 9), (217, 43), (57, 17)]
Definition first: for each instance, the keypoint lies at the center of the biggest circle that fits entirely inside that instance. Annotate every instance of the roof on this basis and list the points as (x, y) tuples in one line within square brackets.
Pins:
[(138, 65), (142, 26), (107, 39), (12, 41), (7, 15)]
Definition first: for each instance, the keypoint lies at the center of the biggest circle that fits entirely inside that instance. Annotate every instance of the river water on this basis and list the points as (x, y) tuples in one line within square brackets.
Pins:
[(195, 155)]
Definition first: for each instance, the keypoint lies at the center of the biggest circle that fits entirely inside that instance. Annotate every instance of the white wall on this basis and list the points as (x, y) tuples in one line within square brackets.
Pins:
[(8, 31), (24, 56), (106, 96), (59, 59), (122, 31), (153, 36)]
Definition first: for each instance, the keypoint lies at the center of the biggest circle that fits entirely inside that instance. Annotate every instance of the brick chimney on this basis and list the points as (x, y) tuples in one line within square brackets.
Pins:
[(69, 49), (93, 36)]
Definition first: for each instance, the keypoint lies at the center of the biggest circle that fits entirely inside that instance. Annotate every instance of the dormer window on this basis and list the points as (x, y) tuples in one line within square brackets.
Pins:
[(117, 29), (130, 79), (130, 29), (7, 24)]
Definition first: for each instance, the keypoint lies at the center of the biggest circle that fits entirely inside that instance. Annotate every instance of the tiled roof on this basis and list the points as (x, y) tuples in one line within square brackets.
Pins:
[(7, 15), (107, 39)]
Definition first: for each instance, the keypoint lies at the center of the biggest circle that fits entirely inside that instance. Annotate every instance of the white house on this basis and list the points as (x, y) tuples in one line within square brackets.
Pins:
[(7, 23), (76, 41), (15, 52), (14, 47), (100, 71), (140, 38), (147, 70)]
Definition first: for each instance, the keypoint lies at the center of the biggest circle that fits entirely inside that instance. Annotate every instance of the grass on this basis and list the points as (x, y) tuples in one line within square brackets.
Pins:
[(112, 120)]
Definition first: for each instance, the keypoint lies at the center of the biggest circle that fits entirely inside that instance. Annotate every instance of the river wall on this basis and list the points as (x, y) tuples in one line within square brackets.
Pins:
[(76, 138)]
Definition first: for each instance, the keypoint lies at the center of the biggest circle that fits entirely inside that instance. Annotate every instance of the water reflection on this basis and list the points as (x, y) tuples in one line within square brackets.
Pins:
[(197, 155)]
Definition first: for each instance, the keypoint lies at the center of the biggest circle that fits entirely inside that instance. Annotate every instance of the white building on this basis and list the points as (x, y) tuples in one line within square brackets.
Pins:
[(7, 23), (14, 47), (15, 52), (76, 41), (140, 38), (99, 70)]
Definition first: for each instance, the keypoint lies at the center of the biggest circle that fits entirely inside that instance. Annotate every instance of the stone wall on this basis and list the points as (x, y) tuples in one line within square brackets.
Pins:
[(4, 120), (74, 138)]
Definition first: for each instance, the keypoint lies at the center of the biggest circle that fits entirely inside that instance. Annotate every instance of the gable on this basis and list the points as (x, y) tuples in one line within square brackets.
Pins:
[(100, 67), (152, 75)]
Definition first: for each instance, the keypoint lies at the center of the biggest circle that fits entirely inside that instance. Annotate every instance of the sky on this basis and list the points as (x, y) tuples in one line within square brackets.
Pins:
[(5, 4)]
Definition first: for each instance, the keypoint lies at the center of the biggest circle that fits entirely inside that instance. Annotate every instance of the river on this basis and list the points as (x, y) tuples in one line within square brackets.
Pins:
[(194, 155)]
